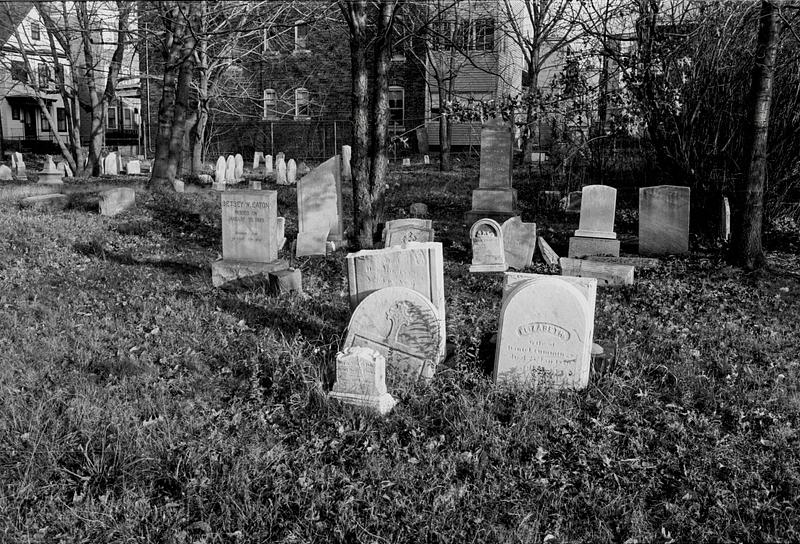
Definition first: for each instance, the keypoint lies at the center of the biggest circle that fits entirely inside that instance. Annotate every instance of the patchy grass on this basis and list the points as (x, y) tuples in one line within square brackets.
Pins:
[(139, 404)]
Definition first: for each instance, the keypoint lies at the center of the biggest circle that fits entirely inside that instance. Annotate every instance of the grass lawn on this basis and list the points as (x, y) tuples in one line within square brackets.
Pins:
[(139, 404)]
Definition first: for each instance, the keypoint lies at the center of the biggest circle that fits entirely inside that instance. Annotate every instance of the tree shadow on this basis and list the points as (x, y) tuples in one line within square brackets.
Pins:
[(95, 249)]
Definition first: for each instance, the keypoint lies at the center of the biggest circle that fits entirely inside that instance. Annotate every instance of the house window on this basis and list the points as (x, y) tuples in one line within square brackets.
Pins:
[(270, 41), (44, 122), (127, 118), (35, 35), (302, 109), (396, 105), (44, 76), (18, 71), (270, 104), (15, 113), (61, 119), (441, 36), (300, 36), (484, 35), (111, 118)]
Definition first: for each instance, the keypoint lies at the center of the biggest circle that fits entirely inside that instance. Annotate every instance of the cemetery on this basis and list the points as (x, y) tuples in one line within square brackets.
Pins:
[(292, 328)]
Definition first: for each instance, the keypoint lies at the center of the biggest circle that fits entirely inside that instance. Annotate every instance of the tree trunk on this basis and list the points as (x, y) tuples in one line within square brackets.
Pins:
[(445, 139), (746, 247)]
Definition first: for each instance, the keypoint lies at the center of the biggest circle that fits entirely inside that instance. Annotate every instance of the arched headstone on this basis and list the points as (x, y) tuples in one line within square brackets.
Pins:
[(488, 254)]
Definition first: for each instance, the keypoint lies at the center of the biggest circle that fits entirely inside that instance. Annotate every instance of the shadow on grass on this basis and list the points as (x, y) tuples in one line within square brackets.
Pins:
[(94, 249), (172, 215)]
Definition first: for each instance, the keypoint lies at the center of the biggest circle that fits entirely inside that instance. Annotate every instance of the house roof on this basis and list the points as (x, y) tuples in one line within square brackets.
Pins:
[(11, 15)]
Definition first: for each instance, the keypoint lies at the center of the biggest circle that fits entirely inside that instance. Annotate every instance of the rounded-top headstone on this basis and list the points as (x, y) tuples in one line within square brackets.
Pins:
[(488, 254), (403, 326), (545, 335), (219, 173)]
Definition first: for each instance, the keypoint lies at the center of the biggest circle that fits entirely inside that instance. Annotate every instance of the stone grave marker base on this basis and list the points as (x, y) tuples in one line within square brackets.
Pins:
[(589, 247), (45, 202), (606, 274), (226, 272)]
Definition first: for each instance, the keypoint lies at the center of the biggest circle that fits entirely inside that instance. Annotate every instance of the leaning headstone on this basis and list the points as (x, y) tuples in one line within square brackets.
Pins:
[(426, 159), (115, 201), (495, 198), (52, 202), (488, 253), (545, 334), (257, 156), (249, 236), (418, 209), (63, 167), (268, 164), (402, 231), (280, 172), (418, 266), (319, 200), (664, 220), (406, 162), (5, 173), (19, 169), (230, 169), (238, 167), (291, 172), (280, 232), (111, 165), (403, 326), (549, 256), (606, 274), (519, 242), (50, 174), (133, 168), (347, 155), (361, 380), (219, 173), (725, 219), (310, 243), (595, 234), (284, 282)]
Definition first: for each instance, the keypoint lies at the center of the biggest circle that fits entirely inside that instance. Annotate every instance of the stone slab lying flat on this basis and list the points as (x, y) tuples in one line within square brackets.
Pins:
[(14, 191), (580, 247), (606, 274), (226, 272), (45, 202), (644, 263)]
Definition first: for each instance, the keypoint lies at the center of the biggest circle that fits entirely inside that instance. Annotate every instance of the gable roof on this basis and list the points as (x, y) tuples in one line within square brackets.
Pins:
[(11, 15)]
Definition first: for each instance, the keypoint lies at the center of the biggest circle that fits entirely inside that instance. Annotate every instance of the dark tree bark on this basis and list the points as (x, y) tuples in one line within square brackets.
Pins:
[(746, 247)]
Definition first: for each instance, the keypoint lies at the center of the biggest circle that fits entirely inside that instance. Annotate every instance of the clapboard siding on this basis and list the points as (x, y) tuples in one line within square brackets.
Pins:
[(462, 133)]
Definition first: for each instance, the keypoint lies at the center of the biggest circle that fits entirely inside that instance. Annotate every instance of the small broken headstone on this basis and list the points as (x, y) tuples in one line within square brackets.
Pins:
[(238, 167), (488, 253), (406, 162), (519, 242), (133, 168), (347, 154), (5, 173), (361, 380), (311, 243)]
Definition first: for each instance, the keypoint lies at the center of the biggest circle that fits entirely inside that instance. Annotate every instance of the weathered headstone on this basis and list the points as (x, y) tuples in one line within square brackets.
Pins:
[(418, 209), (664, 220), (238, 167), (403, 326), (280, 171), (230, 169), (406, 162), (284, 282), (545, 334), (5, 173), (280, 156), (488, 253), (549, 256), (495, 198), (725, 219), (519, 242), (257, 156), (402, 231), (311, 243), (426, 159), (19, 169), (52, 202), (63, 167), (133, 167), (319, 200), (249, 236), (268, 164), (280, 235), (219, 173), (291, 172), (347, 154), (115, 201), (606, 274), (111, 165), (418, 266), (178, 185), (361, 380), (595, 234), (50, 174), (573, 204)]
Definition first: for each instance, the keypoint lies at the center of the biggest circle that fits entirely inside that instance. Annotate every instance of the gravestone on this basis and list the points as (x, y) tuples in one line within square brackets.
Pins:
[(280, 156), (257, 156), (280, 232), (519, 242), (115, 201), (63, 167), (238, 167), (291, 172), (5, 173), (549, 256), (50, 175), (310, 243), (280, 171), (19, 166), (606, 274), (595, 234), (725, 219), (319, 200), (133, 167), (664, 220), (347, 155), (402, 231), (488, 253), (417, 266), (219, 173), (255, 184), (230, 169), (268, 164), (110, 165), (495, 198), (545, 333), (50, 202), (178, 185), (361, 380), (249, 236), (406, 162), (426, 159), (418, 209), (401, 325), (573, 204)]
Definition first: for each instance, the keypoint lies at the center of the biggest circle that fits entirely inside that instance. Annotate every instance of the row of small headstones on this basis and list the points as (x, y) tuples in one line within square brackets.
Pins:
[(54, 173), (231, 170)]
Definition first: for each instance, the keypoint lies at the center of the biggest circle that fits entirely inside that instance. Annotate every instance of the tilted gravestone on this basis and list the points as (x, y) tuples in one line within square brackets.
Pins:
[(403, 326), (519, 242), (133, 167), (219, 172), (230, 170), (595, 234), (664, 220), (268, 164), (545, 333), (488, 252), (50, 175), (257, 156), (111, 165), (291, 172), (347, 155), (319, 200), (238, 167), (280, 171), (495, 198), (402, 231), (19, 166), (361, 380)]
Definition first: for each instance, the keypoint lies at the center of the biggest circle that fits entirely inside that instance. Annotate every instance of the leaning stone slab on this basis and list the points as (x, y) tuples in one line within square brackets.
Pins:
[(319, 199), (116, 201), (582, 247), (284, 282), (519, 242), (664, 220), (5, 173), (311, 243), (51, 202), (402, 231), (243, 273), (488, 252), (403, 326), (9, 192), (606, 274), (361, 380), (549, 256), (643, 263)]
